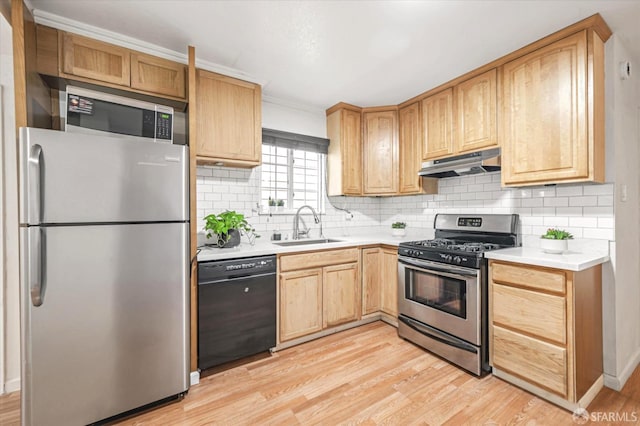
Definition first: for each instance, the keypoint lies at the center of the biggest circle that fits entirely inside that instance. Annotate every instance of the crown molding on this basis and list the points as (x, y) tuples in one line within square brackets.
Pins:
[(292, 104)]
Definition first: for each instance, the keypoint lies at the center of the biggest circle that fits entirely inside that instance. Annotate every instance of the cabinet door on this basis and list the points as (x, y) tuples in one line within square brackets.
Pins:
[(476, 105), (157, 75), (410, 144), (85, 57), (389, 282), (229, 122), (437, 121), (371, 267), (300, 303), (340, 294), (544, 114), (380, 152), (351, 144)]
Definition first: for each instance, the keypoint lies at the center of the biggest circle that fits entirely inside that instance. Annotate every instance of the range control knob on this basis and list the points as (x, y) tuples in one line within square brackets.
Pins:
[(457, 259)]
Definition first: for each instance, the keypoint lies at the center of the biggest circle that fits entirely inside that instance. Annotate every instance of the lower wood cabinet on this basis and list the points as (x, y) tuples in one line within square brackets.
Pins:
[(380, 280), (318, 290), (546, 330)]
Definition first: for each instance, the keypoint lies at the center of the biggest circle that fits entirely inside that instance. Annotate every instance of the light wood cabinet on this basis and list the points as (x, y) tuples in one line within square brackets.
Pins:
[(340, 294), (86, 57), (157, 75), (552, 113), (323, 285), (437, 121), (380, 152), (300, 303), (344, 160), (410, 153), (389, 281), (476, 105), (229, 120), (546, 330), (70, 56), (371, 264), (380, 280)]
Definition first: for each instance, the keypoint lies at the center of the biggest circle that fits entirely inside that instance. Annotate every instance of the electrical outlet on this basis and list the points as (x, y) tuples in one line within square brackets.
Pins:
[(623, 193), (348, 215)]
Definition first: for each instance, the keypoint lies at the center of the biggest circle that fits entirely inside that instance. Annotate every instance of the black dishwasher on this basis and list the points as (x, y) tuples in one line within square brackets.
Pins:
[(236, 309)]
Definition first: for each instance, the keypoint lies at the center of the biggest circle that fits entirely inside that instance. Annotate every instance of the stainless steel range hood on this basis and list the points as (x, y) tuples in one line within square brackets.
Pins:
[(465, 164)]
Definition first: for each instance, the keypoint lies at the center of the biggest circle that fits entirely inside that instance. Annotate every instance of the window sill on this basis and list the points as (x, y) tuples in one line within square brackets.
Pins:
[(286, 212)]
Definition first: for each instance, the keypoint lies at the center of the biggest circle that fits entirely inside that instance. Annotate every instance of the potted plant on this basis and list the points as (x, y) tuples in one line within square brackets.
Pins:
[(397, 229), (280, 204), (227, 227), (555, 241), (272, 205)]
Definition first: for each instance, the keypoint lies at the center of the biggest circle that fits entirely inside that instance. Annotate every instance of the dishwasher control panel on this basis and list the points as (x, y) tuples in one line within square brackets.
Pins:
[(219, 270)]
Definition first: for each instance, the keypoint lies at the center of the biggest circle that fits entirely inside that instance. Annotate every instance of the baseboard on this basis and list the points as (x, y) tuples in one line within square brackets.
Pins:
[(12, 386), (617, 382), (194, 377)]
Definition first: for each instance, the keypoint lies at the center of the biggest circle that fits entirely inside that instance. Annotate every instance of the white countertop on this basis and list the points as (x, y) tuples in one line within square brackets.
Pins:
[(264, 247), (577, 259)]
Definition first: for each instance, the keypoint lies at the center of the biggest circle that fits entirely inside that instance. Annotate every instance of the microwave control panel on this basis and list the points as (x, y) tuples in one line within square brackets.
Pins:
[(164, 124)]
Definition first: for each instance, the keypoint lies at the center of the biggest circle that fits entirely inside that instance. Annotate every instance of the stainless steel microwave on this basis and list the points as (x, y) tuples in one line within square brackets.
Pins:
[(93, 112)]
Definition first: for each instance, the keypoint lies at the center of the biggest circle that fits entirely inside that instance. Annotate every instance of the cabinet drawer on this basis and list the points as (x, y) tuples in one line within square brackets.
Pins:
[(318, 258), (534, 313), (530, 277), (540, 363)]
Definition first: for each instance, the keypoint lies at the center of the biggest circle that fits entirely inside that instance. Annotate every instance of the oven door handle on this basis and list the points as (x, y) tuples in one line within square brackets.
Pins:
[(427, 266), (438, 335)]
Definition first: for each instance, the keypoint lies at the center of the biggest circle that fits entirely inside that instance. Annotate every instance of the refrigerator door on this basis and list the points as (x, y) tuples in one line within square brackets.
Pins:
[(112, 330), (74, 178)]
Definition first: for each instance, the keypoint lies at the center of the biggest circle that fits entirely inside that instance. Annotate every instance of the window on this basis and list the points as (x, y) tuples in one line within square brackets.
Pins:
[(294, 176)]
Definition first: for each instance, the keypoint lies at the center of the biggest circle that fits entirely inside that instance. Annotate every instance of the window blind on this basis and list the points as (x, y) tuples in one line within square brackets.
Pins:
[(295, 141)]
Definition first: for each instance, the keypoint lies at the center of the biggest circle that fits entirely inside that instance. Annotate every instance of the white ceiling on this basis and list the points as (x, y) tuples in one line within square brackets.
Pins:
[(317, 53)]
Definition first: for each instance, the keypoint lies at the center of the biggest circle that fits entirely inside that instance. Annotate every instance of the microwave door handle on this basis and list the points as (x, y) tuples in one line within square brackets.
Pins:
[(431, 267)]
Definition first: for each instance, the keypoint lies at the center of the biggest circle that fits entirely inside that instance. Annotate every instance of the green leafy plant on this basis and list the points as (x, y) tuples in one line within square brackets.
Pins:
[(280, 203), (557, 234), (398, 225), (221, 224), (272, 202)]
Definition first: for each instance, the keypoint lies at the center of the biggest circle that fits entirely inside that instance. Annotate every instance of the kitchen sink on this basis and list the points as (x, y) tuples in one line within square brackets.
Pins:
[(307, 242)]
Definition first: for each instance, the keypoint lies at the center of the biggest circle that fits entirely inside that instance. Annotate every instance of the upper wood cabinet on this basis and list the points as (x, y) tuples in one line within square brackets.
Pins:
[(475, 104), (552, 113), (344, 160), (410, 151), (437, 121), (157, 75), (229, 120), (380, 152), (86, 57), (83, 59)]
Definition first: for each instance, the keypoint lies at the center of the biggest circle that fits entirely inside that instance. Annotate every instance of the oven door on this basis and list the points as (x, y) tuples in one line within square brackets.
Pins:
[(445, 297)]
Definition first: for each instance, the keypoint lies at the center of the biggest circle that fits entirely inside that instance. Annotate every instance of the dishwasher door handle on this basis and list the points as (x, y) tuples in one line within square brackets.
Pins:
[(243, 277)]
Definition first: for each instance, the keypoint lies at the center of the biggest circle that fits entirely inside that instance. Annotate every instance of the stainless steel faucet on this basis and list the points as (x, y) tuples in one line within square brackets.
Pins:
[(297, 233)]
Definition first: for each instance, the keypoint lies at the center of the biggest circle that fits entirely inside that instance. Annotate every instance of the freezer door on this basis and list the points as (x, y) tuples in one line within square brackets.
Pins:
[(74, 178), (112, 331)]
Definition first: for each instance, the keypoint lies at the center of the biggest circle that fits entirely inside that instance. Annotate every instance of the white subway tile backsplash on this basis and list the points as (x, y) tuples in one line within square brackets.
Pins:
[(584, 210)]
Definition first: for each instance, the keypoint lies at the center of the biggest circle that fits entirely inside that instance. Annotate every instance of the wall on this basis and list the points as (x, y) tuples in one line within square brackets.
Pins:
[(280, 115), (623, 121), (10, 309)]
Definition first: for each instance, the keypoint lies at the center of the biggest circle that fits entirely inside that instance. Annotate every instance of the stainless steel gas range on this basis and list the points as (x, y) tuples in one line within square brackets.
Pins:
[(442, 286)]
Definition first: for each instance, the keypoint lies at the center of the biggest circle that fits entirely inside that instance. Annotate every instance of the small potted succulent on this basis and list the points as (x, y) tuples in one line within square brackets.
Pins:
[(397, 229), (280, 204), (555, 241), (227, 227), (272, 205)]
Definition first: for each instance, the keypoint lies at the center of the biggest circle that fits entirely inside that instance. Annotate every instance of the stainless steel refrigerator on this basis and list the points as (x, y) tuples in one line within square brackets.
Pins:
[(104, 238)]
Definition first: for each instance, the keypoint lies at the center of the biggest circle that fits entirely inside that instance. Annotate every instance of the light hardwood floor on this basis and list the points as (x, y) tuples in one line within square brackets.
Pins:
[(365, 375)]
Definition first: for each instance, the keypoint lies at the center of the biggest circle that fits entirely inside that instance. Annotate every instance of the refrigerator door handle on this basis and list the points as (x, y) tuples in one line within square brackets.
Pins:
[(35, 181), (36, 254)]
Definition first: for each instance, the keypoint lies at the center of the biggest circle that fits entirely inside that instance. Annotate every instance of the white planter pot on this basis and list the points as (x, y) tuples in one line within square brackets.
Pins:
[(553, 246), (398, 232)]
